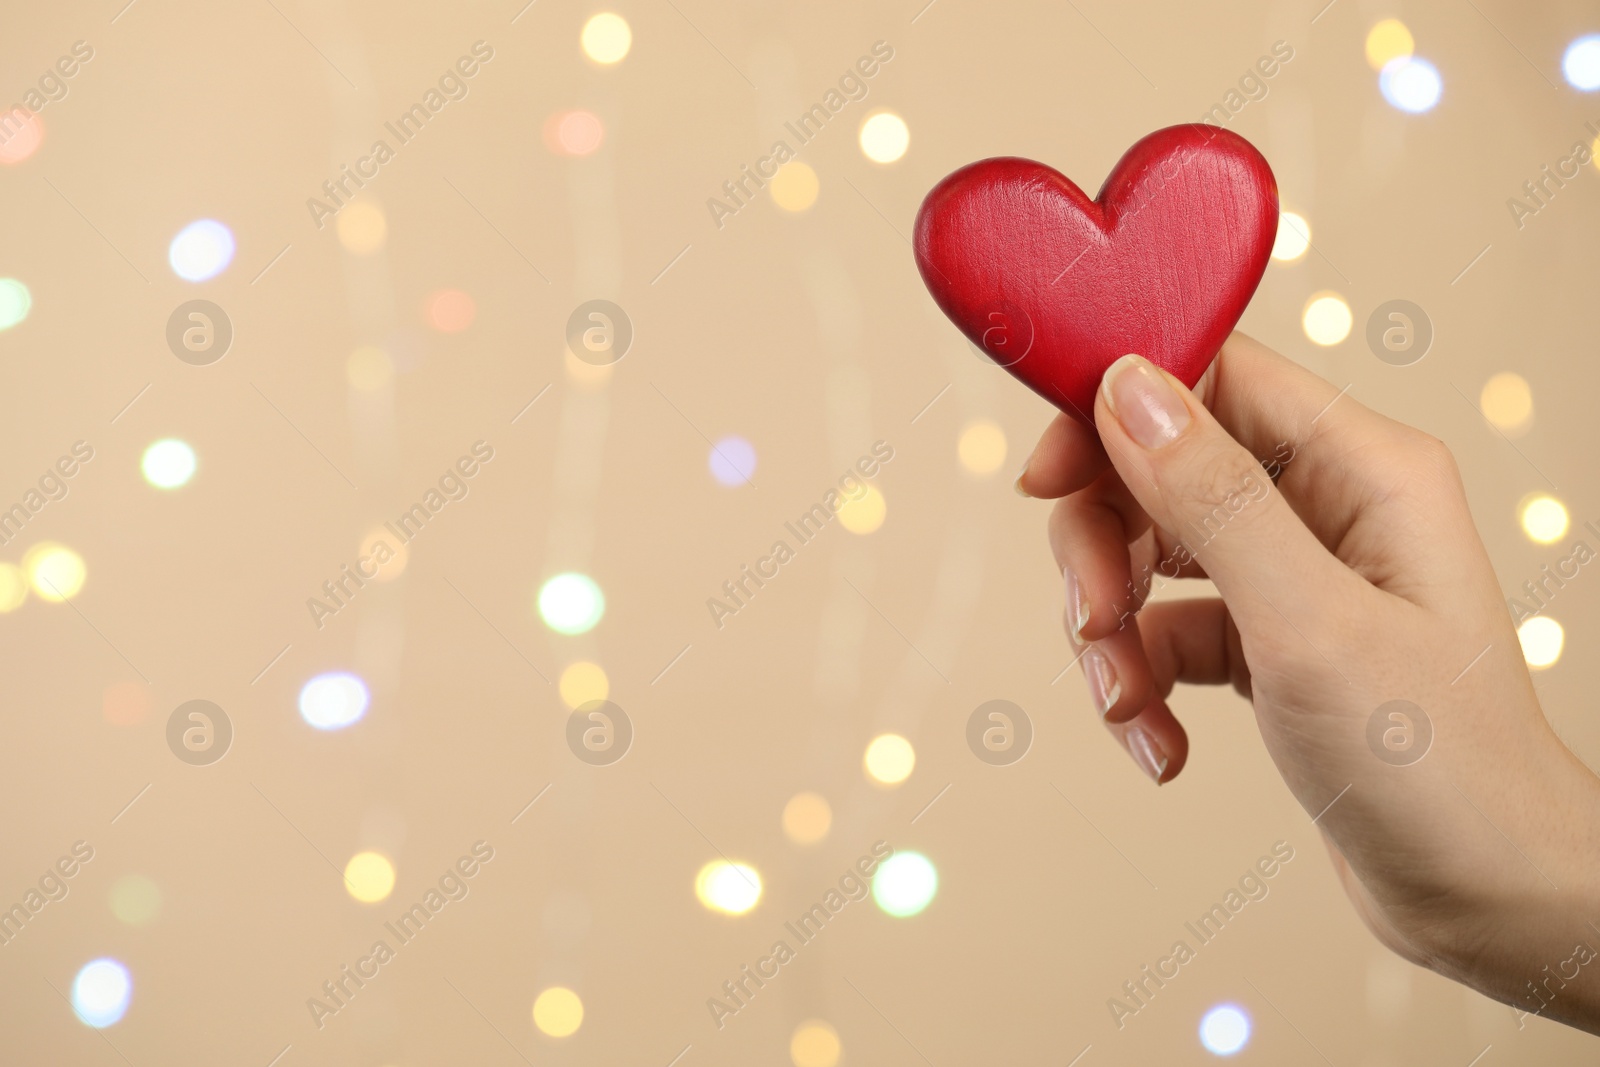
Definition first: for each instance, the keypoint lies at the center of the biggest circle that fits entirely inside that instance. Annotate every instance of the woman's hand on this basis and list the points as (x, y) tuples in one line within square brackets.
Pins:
[(1357, 580)]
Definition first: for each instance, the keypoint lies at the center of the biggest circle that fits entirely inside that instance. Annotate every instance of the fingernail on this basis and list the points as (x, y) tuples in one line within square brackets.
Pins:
[(1017, 485), (1104, 688), (1077, 606), (1150, 759), (1148, 408)]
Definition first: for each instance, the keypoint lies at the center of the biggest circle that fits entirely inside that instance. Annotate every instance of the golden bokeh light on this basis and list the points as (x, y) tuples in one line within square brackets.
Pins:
[(807, 818), (384, 551), (889, 759), (864, 514), (814, 1044), (1507, 401), (582, 682), (885, 137), (589, 377), (362, 227), (55, 571), (794, 187), (369, 369), (13, 587), (135, 900), (1542, 639), (369, 877), (1294, 237), (1327, 319), (982, 447), (558, 1012), (1389, 39), (1544, 518), (606, 38), (728, 887)]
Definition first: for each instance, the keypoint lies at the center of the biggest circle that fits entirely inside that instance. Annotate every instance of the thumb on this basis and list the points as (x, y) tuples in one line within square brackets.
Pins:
[(1203, 487)]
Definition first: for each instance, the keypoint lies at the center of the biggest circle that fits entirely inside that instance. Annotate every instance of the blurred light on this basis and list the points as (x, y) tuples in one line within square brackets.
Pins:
[(1225, 1030), (1544, 519), (55, 571), (451, 310), (13, 587), (885, 137), (865, 513), (814, 1044), (582, 682), (794, 187), (15, 302), (1410, 84), (101, 992), (571, 603), (135, 900), (1581, 64), (905, 884), (558, 1011), (1386, 41), (202, 250), (982, 447), (1327, 319), (333, 701), (395, 563), (369, 368), (606, 38), (731, 888), (574, 133), (369, 877), (806, 818), (362, 227), (1542, 639), (889, 759), (125, 703), (168, 464), (26, 136), (1294, 237), (732, 461), (587, 376), (1507, 401)]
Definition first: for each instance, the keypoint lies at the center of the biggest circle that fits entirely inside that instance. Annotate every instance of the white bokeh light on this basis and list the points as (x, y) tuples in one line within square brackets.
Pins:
[(1581, 63), (1225, 1030), (201, 251), (1413, 85), (168, 464), (333, 701), (732, 461), (101, 991)]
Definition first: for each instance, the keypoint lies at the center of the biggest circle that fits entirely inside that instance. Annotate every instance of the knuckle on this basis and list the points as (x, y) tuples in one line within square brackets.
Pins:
[(1216, 487)]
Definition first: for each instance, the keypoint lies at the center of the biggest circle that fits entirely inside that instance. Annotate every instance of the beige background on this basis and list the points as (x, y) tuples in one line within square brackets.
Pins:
[(811, 335)]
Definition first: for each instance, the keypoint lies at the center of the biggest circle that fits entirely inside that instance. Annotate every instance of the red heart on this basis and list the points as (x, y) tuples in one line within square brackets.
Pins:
[(1057, 287)]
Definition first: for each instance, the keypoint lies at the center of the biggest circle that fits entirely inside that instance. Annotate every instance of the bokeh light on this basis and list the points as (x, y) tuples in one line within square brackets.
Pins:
[(794, 187), (13, 587), (571, 603), (125, 703), (807, 818), (369, 877), (369, 369), (606, 38), (334, 700), (889, 759), (982, 447), (1327, 319), (398, 555), (574, 133), (1388, 40), (814, 1044), (727, 887), (905, 884), (1581, 63), (589, 377), (1507, 401), (1542, 639), (732, 461), (101, 991), (55, 571), (1294, 237), (1544, 518), (1225, 1030), (582, 682), (1410, 84), (26, 137), (201, 251), (362, 227), (558, 1012), (885, 137), (135, 900), (15, 302), (451, 310), (864, 514), (168, 463)]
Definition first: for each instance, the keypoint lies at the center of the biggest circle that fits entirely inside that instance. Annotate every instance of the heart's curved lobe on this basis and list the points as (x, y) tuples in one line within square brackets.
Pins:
[(1056, 287)]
